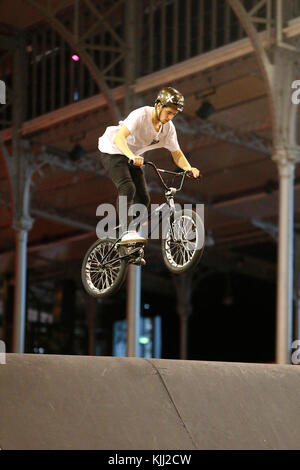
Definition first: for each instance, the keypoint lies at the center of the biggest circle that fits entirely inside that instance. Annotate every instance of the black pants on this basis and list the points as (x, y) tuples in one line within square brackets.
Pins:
[(129, 181)]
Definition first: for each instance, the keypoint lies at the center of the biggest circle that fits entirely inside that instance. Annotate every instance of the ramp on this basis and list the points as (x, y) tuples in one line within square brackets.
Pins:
[(83, 402)]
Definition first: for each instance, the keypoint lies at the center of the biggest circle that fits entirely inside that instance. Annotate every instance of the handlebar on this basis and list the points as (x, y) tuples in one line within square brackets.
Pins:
[(159, 170), (183, 174)]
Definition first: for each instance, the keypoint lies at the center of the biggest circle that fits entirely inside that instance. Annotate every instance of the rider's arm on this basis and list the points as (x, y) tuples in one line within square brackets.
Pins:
[(180, 160), (120, 142)]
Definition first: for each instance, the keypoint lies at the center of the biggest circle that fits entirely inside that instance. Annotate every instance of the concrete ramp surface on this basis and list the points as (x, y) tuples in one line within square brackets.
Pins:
[(112, 403)]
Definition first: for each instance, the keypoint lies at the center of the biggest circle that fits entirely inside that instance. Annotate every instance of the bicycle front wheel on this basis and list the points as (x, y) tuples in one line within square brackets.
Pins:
[(183, 242), (99, 278)]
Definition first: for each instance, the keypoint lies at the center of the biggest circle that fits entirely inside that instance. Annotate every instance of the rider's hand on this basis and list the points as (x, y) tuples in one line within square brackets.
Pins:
[(137, 161), (195, 172)]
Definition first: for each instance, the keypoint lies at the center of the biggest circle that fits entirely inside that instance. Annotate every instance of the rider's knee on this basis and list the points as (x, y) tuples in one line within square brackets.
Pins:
[(144, 199), (127, 189)]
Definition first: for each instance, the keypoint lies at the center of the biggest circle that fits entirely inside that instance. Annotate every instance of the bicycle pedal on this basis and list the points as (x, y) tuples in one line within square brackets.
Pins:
[(138, 261)]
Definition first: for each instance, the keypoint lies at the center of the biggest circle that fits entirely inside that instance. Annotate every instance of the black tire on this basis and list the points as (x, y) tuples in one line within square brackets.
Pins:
[(101, 283), (183, 249)]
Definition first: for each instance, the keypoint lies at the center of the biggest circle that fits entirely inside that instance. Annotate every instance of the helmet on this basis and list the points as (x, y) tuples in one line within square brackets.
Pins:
[(168, 96)]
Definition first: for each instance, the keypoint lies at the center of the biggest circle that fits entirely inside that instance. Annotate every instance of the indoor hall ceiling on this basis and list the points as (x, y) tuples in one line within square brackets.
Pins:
[(30, 15), (10, 11), (238, 184)]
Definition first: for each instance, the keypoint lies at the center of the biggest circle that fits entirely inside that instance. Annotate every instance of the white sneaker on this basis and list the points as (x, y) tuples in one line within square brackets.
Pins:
[(132, 237)]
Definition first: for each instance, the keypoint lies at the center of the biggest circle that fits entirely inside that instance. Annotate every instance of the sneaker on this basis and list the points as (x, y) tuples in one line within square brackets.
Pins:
[(132, 237)]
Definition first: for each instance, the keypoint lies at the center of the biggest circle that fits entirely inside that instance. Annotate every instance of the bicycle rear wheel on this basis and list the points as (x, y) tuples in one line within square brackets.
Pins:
[(183, 242), (103, 279)]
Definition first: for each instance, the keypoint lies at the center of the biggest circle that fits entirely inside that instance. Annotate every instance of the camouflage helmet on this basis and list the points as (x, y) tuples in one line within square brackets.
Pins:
[(168, 96)]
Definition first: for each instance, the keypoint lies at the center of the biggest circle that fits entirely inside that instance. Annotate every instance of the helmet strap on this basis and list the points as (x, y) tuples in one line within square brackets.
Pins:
[(156, 113)]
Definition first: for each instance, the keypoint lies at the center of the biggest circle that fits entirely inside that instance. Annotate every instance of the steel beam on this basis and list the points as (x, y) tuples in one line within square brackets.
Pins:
[(268, 227), (71, 220), (224, 133), (8, 42), (260, 52), (39, 164), (71, 36), (51, 157)]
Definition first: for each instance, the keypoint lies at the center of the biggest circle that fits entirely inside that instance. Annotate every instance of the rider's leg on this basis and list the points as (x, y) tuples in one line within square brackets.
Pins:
[(141, 195), (118, 170)]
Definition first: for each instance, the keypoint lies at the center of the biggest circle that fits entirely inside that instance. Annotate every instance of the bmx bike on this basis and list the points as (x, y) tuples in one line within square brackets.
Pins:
[(105, 263)]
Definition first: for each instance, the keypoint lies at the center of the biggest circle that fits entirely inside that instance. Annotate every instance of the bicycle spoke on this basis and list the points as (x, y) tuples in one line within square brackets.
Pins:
[(110, 276), (181, 241), (107, 282), (99, 280), (102, 277)]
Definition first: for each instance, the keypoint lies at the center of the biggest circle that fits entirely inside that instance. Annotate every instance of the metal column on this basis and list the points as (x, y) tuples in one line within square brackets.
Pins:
[(183, 285), (296, 322), (133, 306), (21, 178), (22, 225), (20, 291), (286, 157), (285, 263), (183, 350)]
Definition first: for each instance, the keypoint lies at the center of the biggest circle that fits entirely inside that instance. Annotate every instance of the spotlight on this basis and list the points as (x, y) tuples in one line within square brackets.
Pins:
[(205, 110), (77, 153)]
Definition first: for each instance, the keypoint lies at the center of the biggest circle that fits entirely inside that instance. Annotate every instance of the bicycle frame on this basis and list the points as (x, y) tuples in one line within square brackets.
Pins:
[(169, 195)]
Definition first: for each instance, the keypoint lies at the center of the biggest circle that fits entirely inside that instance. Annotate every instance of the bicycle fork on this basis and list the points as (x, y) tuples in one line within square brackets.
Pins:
[(171, 204)]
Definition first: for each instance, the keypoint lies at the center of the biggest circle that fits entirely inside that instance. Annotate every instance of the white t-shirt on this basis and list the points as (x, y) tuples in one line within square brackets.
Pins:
[(143, 136)]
